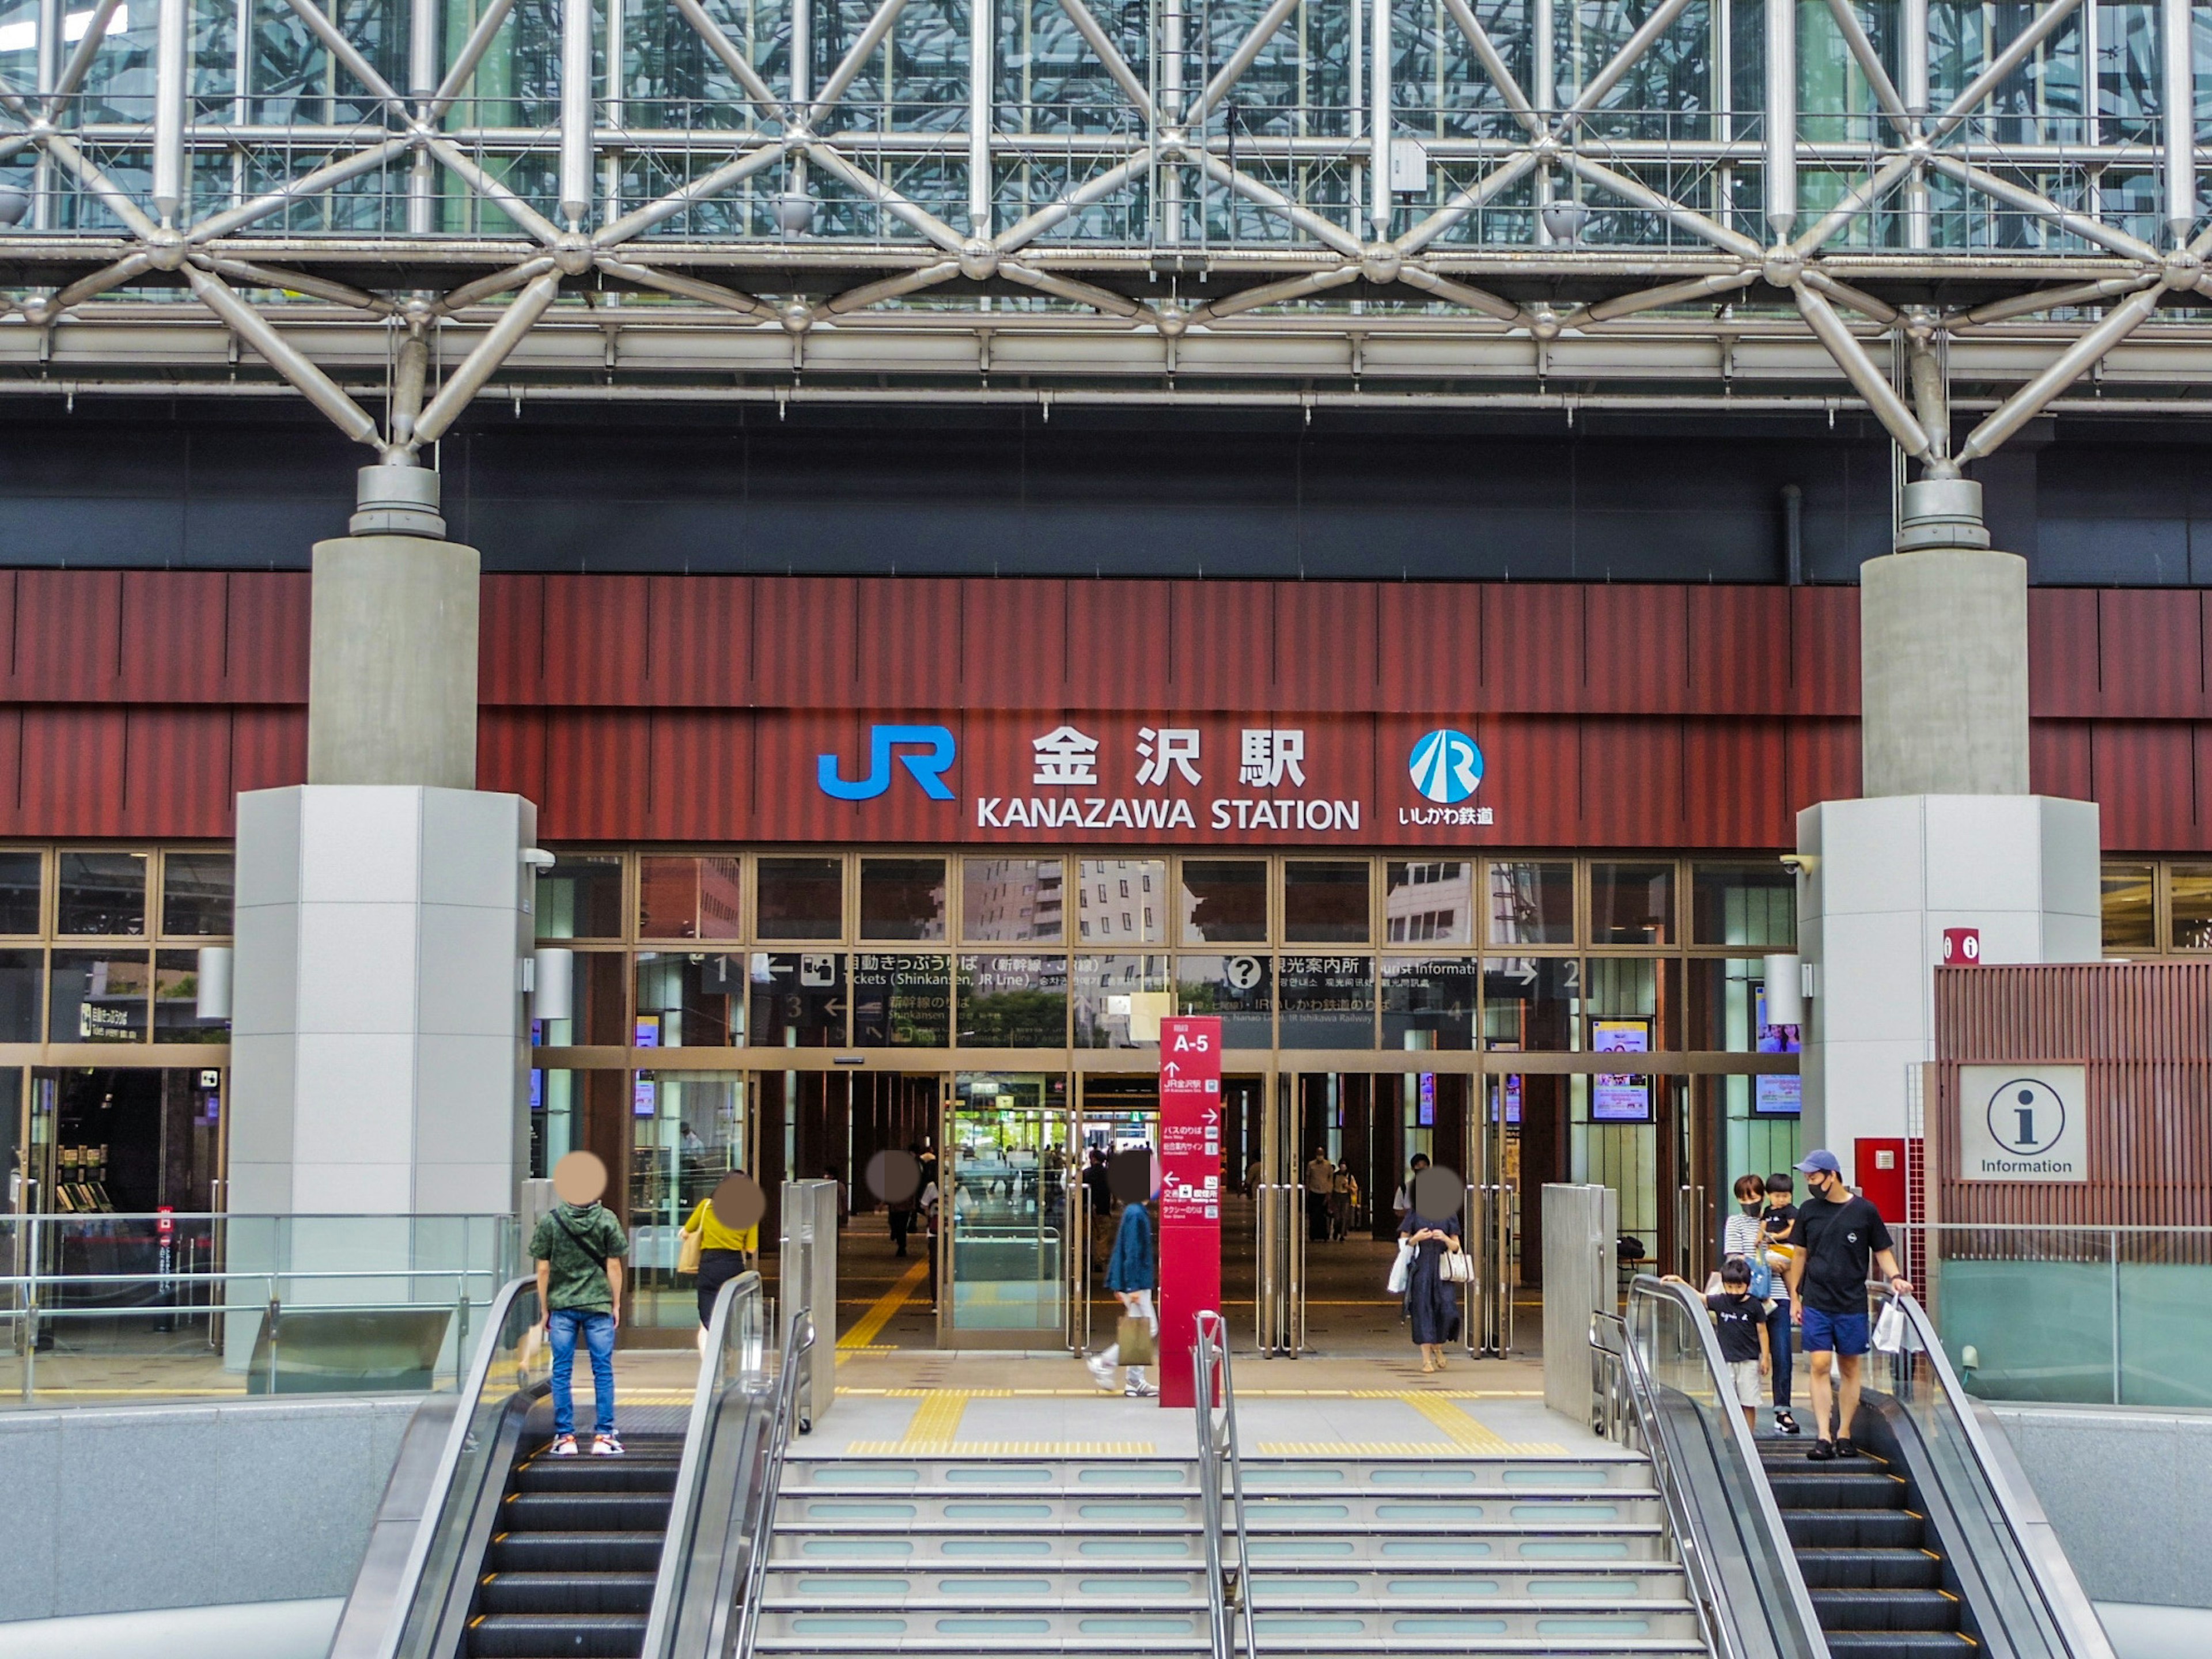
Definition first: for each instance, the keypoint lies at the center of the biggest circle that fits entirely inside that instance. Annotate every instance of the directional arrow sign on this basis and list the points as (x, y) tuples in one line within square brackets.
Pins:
[(1190, 1193)]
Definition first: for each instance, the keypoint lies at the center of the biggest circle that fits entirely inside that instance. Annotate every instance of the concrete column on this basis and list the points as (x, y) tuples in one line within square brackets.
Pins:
[(1943, 655)]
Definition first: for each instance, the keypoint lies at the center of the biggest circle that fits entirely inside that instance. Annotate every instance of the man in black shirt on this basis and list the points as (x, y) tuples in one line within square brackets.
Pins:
[(1840, 1234)]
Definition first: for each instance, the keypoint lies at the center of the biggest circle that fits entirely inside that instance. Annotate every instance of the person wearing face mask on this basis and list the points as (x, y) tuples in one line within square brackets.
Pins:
[(1742, 1236), (1841, 1233)]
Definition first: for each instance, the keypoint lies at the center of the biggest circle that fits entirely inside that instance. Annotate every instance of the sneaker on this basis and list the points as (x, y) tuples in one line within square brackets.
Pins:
[(564, 1445), (1785, 1424), (1821, 1451), (606, 1445), (1101, 1373), (1844, 1449), (1140, 1391)]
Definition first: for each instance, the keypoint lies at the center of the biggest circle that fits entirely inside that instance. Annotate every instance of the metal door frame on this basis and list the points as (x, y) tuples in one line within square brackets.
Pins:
[(947, 1260)]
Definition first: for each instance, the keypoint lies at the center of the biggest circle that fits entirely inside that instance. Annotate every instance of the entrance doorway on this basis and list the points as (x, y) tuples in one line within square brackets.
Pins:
[(1008, 1165)]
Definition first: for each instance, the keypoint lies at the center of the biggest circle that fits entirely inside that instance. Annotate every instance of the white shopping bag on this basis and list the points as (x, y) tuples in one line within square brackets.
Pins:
[(1401, 1269), (1890, 1334)]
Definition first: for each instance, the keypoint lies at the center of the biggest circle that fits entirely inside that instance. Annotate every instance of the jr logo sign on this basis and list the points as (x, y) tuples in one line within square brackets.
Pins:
[(928, 768)]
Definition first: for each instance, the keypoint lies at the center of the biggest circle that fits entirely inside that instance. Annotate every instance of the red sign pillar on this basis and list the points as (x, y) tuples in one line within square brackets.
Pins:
[(1190, 1193)]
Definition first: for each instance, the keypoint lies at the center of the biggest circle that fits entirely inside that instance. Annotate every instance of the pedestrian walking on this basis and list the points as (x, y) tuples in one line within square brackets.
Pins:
[(929, 1207), (1744, 1237), (1130, 1275), (902, 1208), (1321, 1185), (1343, 1199), (1432, 1302), (1402, 1200), (725, 1251), (1740, 1319), (579, 1249), (1099, 1204), (1841, 1233)]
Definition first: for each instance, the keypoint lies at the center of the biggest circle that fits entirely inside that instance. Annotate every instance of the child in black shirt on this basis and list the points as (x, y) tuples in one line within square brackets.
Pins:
[(1740, 1319)]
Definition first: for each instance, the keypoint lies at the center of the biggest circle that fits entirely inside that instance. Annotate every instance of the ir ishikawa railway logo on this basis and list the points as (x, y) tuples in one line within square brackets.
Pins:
[(1446, 766)]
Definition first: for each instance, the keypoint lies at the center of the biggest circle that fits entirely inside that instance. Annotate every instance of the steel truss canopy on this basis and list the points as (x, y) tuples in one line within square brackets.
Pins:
[(1946, 213)]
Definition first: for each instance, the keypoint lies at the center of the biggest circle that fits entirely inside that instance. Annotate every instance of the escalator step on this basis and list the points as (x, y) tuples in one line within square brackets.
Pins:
[(595, 1475), (1899, 1644), (574, 1552), (584, 1512), (557, 1635), (1887, 1610), (1872, 1490), (1846, 1529), (1870, 1569), (565, 1592)]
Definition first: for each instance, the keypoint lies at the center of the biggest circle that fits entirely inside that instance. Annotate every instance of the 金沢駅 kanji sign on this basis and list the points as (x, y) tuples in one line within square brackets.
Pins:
[(995, 777), (1191, 1192)]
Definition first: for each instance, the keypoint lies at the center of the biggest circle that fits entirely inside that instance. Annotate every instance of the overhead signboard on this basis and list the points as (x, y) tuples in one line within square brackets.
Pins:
[(2023, 1122)]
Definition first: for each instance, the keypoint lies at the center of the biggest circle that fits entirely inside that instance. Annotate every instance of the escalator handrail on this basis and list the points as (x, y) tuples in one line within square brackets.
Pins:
[(684, 1510), (759, 1523), (408, 1590), (1811, 1640), (2073, 1640), (1218, 1455)]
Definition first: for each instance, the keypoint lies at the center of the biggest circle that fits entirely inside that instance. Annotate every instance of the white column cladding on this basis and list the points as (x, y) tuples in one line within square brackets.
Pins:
[(1882, 879), (380, 1038)]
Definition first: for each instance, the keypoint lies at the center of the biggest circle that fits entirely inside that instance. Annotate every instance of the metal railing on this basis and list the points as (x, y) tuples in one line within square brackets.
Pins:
[(1221, 1488), (1663, 1385), (2038, 1613), (758, 1525)]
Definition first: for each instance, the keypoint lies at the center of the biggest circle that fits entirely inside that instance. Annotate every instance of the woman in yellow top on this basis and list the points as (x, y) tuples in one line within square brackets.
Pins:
[(724, 1252)]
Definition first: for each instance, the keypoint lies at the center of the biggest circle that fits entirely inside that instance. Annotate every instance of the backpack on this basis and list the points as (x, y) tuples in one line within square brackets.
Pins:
[(1762, 1276)]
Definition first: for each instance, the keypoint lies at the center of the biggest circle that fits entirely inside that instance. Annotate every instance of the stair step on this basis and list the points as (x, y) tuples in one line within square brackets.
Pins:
[(1262, 1475), (1423, 1582), (557, 1635), (1334, 1512)]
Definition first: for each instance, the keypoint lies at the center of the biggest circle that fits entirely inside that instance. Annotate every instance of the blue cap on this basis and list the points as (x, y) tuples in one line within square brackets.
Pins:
[(1822, 1159)]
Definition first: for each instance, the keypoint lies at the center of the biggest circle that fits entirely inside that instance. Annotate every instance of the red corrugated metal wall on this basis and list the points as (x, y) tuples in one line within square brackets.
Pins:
[(137, 703)]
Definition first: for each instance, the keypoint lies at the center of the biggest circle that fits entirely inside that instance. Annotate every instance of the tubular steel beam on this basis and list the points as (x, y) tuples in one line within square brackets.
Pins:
[(1859, 369), (2025, 404), (317, 387), (481, 364)]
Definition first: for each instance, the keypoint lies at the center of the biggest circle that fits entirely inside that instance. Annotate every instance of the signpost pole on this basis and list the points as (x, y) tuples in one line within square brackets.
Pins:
[(1190, 1193)]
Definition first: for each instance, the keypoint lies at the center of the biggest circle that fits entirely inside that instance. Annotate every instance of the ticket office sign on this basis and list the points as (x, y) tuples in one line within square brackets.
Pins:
[(1190, 1193)]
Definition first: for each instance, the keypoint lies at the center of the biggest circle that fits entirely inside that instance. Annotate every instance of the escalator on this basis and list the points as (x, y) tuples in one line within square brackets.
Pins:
[(486, 1546), (1873, 1567)]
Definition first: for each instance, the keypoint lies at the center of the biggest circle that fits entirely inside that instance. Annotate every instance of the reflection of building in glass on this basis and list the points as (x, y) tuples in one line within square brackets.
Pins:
[(1013, 900), (1118, 901), (1429, 903)]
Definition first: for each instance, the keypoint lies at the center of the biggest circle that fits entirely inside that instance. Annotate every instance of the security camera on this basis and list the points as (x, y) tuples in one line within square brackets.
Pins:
[(1797, 864), (538, 858)]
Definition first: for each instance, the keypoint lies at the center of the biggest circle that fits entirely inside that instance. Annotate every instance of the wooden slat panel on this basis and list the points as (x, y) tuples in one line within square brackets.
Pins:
[(1824, 650), (69, 634), (909, 645), (11, 769), (1532, 648), (703, 775), (268, 748), (1532, 778), (1636, 645), (1118, 646), (1013, 642), (699, 642), (803, 644), (1325, 645), (2145, 785), (1823, 763), (511, 639), (511, 754), (2059, 759), (1631, 782), (267, 626), (72, 771), (1223, 645), (600, 767), (2150, 652), (595, 641), (1735, 784), (2062, 651), (175, 635), (1428, 647), (1739, 650), (177, 772)]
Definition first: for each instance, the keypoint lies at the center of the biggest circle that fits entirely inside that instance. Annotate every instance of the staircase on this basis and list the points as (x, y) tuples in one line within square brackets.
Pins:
[(1873, 1565), (569, 1574), (1000, 1555)]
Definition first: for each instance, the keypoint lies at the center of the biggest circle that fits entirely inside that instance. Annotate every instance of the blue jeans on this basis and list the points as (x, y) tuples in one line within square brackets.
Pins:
[(598, 1329)]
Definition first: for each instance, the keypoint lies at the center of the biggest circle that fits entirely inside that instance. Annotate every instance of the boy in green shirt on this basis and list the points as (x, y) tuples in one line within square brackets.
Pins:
[(579, 1249)]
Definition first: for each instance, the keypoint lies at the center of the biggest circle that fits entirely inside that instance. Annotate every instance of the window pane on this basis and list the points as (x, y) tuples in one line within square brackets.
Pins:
[(2129, 923), (1633, 904), (800, 898), (799, 1000), (2191, 901), (902, 898), (196, 895), (1118, 997), (22, 975), (1532, 903), (1326, 903), (690, 898), (1240, 989), (1224, 901), (1428, 1002), (1121, 901), (689, 1001), (581, 897), (1429, 903), (686, 1132), (1009, 901), (1531, 1002), (1744, 904), (902, 998), (97, 997), (1636, 988), (101, 893), (599, 1000), (1013, 1002), (1329, 1002), (176, 1001), (19, 892)]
